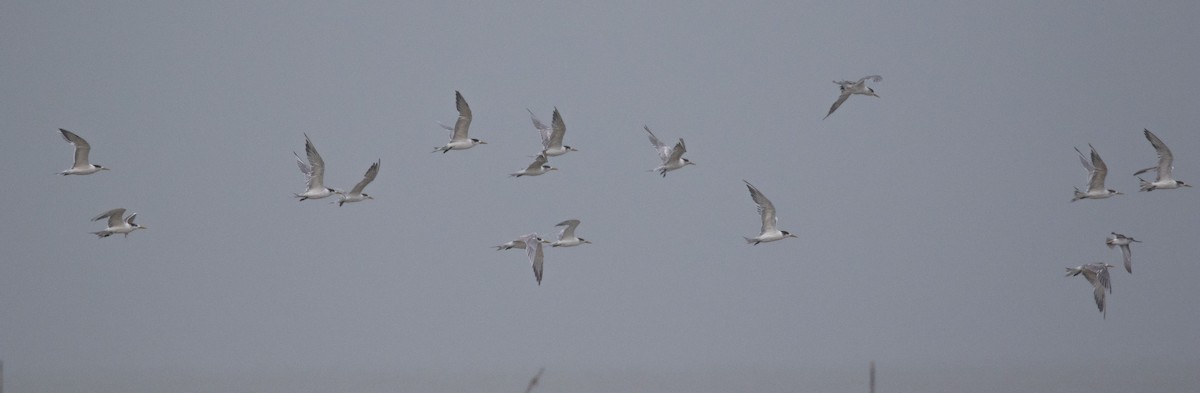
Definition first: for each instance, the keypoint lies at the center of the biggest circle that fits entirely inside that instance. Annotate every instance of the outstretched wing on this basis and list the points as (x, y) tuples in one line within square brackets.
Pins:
[(872, 78), (81, 148), (1125, 252), (1165, 158), (664, 151), (464, 118), (543, 130), (537, 163), (558, 130), (569, 230), (533, 248), (765, 208), (314, 172), (1099, 171), (367, 178), (677, 152), (841, 98), (114, 216)]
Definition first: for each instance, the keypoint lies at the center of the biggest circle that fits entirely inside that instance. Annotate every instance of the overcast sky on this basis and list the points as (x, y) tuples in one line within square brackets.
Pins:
[(934, 221)]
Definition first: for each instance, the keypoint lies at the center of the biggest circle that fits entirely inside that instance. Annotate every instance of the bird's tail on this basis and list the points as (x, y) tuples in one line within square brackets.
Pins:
[(1145, 185), (1078, 195), (750, 241), (1074, 271), (102, 234)]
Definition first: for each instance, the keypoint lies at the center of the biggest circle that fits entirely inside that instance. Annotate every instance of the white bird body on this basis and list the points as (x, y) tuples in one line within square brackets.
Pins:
[(766, 209), (459, 139), (1119, 240), (536, 168), (552, 136), (1166, 160), (1097, 275), (117, 225), (81, 165), (314, 173), (356, 194), (1097, 171), (671, 156), (849, 88), (566, 236)]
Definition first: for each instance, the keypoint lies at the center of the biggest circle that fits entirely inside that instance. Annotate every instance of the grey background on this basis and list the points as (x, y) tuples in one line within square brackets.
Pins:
[(934, 221)]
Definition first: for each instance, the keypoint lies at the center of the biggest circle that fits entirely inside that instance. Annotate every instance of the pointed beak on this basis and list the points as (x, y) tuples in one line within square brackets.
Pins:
[(482, 142)]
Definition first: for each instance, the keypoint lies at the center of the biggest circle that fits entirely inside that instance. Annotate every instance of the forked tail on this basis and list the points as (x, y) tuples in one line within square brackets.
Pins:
[(1078, 195), (1145, 185)]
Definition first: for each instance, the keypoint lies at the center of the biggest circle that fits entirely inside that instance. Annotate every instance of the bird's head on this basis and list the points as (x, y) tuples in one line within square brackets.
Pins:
[(100, 167), (478, 142), (872, 92), (1114, 192), (687, 162), (549, 168), (569, 148), (789, 234), (365, 196), (585, 240)]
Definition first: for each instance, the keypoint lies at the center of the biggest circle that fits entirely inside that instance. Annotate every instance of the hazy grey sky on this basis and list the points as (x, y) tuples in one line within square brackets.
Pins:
[(934, 221)]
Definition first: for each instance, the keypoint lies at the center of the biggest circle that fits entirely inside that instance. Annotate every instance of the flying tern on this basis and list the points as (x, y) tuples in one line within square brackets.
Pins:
[(81, 166), (356, 194), (566, 237), (1165, 159), (116, 224), (848, 88), (459, 139), (537, 167), (767, 210), (314, 173), (552, 137), (1097, 275), (672, 157), (1119, 240), (533, 248), (1096, 173)]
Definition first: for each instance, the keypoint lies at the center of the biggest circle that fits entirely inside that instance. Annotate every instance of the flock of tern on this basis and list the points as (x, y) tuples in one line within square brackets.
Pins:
[(1097, 273), (672, 159)]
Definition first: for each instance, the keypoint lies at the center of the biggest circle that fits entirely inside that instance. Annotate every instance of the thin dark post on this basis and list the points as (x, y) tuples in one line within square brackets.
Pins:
[(872, 377)]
